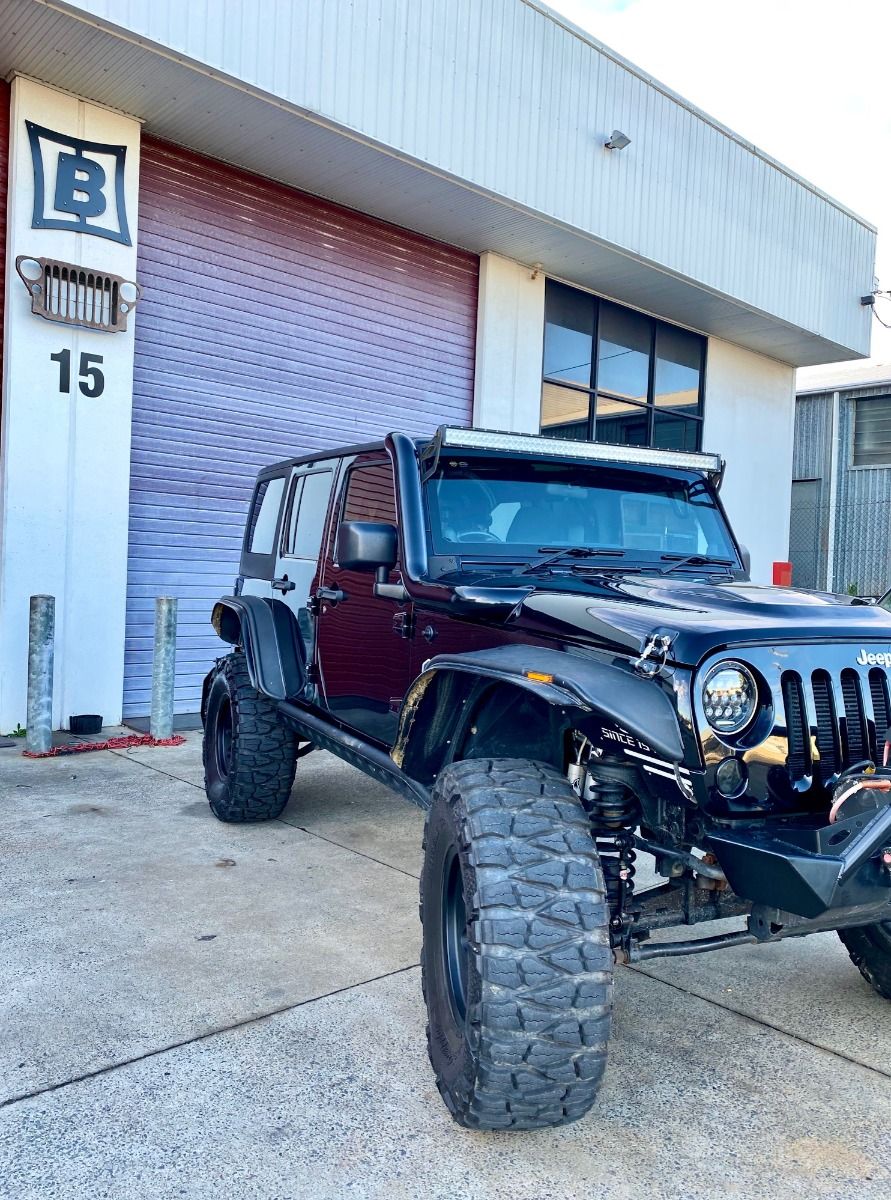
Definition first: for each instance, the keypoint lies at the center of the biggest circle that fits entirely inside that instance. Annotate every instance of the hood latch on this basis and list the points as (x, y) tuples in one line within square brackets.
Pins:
[(654, 656)]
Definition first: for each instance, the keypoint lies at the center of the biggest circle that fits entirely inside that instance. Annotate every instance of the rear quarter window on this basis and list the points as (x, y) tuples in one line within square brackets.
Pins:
[(258, 553), (264, 516)]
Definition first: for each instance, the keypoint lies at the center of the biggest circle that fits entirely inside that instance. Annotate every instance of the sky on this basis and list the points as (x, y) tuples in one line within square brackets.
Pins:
[(807, 81)]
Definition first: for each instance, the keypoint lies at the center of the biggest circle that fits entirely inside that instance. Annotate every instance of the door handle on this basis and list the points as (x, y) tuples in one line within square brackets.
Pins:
[(284, 584), (333, 595)]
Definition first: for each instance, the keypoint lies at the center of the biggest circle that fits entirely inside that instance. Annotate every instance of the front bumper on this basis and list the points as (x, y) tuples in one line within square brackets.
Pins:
[(839, 873)]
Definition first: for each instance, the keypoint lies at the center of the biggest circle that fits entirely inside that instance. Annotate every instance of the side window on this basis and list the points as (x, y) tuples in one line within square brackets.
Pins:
[(308, 509), (264, 516), (370, 495)]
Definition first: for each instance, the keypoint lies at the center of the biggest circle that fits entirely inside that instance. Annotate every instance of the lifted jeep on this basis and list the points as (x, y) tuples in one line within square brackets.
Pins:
[(554, 648)]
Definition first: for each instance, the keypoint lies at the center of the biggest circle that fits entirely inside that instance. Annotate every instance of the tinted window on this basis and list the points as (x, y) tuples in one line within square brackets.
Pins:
[(612, 374), (494, 506), (308, 511), (569, 335), (264, 515), (370, 495), (623, 355), (678, 370)]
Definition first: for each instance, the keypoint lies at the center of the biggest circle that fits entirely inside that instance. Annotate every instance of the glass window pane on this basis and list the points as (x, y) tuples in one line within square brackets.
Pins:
[(370, 495), (569, 334), (676, 433), (621, 423), (564, 412), (264, 516), (623, 357), (311, 515), (872, 432), (678, 368), (293, 510)]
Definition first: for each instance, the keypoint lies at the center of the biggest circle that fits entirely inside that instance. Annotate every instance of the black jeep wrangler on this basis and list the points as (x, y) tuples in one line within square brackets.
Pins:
[(555, 650)]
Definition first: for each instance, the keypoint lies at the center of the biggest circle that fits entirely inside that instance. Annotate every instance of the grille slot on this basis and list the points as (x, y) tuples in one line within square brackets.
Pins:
[(798, 758), (881, 707), (855, 724), (827, 725), (72, 295)]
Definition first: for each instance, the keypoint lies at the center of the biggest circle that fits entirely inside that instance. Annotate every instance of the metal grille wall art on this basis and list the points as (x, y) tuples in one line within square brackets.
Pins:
[(72, 295)]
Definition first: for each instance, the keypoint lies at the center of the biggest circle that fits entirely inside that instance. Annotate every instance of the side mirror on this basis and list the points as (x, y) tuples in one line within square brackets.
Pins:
[(366, 546), (746, 560)]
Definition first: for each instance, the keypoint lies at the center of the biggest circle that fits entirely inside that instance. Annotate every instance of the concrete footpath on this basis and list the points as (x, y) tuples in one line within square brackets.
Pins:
[(190, 1009)]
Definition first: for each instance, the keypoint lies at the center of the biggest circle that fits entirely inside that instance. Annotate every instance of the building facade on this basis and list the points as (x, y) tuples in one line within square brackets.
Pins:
[(246, 231), (840, 535)]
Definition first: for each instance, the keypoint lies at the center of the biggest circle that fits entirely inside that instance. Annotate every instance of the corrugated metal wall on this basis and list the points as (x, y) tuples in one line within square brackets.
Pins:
[(863, 517), (862, 510), (272, 324), (4, 177)]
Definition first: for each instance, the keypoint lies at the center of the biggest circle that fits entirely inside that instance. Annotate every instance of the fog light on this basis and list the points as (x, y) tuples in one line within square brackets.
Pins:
[(731, 777)]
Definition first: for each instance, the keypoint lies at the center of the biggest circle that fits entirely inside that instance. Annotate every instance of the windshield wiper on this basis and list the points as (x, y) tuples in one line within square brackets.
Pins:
[(555, 554), (694, 560)]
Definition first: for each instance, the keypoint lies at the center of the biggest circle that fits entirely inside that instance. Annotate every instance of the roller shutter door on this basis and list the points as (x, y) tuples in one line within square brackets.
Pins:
[(272, 324)]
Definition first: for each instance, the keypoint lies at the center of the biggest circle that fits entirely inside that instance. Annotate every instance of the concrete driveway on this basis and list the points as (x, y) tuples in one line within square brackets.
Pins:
[(190, 1009)]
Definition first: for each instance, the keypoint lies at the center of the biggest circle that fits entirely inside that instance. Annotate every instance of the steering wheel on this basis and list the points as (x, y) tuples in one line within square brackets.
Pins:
[(480, 535)]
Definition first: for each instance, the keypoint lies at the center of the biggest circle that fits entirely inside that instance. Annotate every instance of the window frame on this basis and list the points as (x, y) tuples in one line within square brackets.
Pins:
[(255, 565), (297, 483), (592, 391), (855, 466), (344, 493)]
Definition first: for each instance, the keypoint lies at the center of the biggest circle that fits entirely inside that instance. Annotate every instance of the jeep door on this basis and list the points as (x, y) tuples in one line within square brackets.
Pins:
[(303, 527), (363, 649)]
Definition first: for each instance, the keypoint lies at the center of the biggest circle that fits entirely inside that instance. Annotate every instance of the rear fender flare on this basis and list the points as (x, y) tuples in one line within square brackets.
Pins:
[(267, 632)]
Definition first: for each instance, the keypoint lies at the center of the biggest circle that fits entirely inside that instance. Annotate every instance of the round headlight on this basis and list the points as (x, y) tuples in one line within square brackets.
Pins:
[(729, 697)]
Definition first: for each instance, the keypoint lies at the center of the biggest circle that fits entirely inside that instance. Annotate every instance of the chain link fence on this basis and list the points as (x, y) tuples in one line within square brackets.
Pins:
[(842, 547)]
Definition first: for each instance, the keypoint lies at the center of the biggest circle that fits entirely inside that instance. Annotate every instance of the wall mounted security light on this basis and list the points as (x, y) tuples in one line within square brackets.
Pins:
[(617, 140)]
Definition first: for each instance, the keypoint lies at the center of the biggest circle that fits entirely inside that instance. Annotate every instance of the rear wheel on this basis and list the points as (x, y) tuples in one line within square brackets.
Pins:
[(870, 949), (517, 965), (249, 755)]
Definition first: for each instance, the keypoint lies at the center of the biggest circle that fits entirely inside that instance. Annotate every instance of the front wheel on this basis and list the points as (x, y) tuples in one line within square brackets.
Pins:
[(517, 965), (870, 949), (249, 755)]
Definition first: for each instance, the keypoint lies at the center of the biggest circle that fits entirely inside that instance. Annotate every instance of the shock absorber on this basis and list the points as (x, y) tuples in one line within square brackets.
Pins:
[(615, 814)]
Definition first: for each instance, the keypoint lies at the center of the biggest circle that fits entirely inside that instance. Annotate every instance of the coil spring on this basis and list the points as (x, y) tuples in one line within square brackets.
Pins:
[(614, 813)]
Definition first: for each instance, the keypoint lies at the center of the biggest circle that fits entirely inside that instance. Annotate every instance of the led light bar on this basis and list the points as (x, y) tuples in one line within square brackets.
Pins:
[(529, 443)]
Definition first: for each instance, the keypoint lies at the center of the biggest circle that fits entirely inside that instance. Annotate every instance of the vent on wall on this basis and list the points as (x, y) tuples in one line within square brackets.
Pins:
[(73, 295)]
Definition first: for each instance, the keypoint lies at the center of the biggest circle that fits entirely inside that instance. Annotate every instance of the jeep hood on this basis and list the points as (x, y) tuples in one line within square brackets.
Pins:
[(622, 611)]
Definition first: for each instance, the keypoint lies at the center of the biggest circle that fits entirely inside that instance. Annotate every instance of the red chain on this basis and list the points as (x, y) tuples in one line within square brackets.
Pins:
[(115, 743)]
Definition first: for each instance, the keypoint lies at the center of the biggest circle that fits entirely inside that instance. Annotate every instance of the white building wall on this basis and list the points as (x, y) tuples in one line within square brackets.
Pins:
[(509, 346), (750, 420), (64, 456)]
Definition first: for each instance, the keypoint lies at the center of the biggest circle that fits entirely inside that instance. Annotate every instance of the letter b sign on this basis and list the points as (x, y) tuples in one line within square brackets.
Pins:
[(79, 186)]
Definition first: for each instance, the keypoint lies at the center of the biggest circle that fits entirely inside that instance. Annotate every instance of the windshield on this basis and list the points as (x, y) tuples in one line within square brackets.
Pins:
[(505, 507)]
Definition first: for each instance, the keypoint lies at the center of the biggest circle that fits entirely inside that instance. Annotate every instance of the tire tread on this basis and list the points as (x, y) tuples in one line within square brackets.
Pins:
[(540, 931)]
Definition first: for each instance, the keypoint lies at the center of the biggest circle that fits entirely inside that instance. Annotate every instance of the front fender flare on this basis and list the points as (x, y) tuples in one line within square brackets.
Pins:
[(268, 633), (569, 680)]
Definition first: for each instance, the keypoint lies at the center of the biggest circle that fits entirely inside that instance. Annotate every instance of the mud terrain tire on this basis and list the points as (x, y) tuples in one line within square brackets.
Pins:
[(870, 949), (249, 755), (516, 964)]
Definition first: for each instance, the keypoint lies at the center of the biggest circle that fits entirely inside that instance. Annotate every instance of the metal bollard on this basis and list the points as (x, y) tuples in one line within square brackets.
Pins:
[(41, 649), (163, 668)]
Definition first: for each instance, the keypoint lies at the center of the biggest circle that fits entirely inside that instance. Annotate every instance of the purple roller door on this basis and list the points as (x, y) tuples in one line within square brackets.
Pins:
[(272, 324)]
